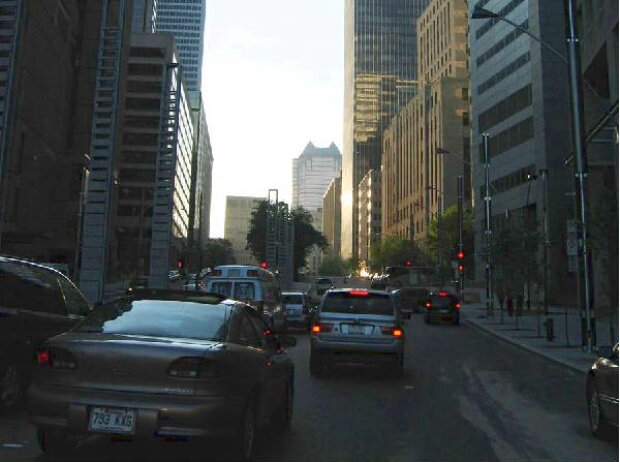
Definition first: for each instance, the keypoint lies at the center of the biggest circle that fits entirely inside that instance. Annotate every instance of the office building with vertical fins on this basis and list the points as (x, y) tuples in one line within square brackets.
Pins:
[(380, 75), (186, 20)]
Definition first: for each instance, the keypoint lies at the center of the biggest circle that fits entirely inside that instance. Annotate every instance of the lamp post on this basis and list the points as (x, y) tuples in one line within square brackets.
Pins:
[(576, 105)]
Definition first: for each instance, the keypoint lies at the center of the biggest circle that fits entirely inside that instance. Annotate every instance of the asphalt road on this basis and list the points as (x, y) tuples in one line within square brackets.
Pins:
[(464, 396)]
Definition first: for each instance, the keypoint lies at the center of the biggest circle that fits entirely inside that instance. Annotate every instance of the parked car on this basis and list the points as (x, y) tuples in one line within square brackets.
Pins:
[(36, 302), (164, 363), (323, 285), (296, 309), (357, 325), (602, 392), (411, 299), (442, 306)]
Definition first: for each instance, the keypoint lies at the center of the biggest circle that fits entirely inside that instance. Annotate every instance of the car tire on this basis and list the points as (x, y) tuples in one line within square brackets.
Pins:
[(599, 427), (317, 366), (12, 388), (246, 433), (284, 415), (55, 443)]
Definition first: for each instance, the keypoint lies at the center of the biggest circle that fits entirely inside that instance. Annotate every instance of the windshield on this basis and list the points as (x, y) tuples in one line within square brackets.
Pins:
[(222, 288), (244, 291), (155, 318), (292, 299), (355, 304)]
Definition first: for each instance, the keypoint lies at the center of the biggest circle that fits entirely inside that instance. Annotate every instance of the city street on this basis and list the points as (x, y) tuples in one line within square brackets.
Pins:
[(465, 395)]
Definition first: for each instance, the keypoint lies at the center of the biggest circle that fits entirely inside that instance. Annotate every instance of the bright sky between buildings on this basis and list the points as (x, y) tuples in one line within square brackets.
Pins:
[(273, 79)]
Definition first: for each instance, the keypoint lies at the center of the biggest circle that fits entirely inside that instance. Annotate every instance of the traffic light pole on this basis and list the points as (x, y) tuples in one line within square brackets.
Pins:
[(460, 192), (487, 216)]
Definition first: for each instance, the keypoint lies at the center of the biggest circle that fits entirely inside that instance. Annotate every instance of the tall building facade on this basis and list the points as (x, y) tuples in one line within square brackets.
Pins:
[(519, 94), (49, 53), (369, 213), (237, 225), (380, 74), (186, 20), (313, 171), (332, 216), (144, 16), (426, 145)]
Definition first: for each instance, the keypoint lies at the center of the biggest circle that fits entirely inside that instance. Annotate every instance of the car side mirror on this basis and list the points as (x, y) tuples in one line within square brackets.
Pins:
[(605, 351)]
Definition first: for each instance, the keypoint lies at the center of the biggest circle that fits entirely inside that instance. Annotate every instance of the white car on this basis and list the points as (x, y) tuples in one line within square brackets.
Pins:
[(323, 285), (295, 309)]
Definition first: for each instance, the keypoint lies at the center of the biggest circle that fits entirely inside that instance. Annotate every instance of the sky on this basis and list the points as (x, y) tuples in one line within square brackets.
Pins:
[(273, 80)]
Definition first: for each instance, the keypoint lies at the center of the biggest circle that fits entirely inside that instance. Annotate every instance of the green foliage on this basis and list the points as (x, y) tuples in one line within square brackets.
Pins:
[(305, 235), (394, 251), (333, 265), (448, 240), (218, 252)]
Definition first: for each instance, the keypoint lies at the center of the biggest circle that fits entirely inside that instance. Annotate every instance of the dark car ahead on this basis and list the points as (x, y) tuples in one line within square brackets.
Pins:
[(442, 306), (163, 363), (602, 392), (411, 299), (36, 302)]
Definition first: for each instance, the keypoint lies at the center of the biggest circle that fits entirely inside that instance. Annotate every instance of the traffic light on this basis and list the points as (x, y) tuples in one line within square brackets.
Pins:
[(180, 263), (263, 264), (460, 255), (461, 268), (408, 263)]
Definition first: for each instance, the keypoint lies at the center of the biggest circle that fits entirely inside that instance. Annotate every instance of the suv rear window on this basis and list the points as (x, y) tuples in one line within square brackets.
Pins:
[(438, 301), (344, 302)]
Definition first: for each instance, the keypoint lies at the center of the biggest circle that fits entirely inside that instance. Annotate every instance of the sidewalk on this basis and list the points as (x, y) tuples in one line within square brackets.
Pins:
[(525, 332)]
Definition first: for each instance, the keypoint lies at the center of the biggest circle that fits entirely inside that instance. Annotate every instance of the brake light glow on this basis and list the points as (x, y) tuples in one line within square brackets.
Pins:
[(359, 293), (322, 327), (397, 332), (43, 357), (443, 294)]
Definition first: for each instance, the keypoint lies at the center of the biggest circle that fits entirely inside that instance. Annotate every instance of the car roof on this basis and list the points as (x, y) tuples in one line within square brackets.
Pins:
[(292, 293), (347, 290), (208, 298), (20, 261)]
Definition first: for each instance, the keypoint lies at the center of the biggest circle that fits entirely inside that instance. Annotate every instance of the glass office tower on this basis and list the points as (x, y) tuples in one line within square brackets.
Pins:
[(380, 72), (186, 20)]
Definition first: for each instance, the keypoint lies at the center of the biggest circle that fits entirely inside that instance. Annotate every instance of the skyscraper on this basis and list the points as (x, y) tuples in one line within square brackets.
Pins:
[(144, 16), (186, 20), (380, 73)]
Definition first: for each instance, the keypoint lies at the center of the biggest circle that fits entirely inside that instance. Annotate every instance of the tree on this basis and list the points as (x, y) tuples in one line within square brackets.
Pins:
[(448, 242), (333, 265), (305, 235), (395, 251), (218, 252)]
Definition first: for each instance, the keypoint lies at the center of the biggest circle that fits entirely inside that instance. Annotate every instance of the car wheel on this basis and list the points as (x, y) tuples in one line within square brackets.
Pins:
[(11, 388), (317, 366), (55, 443), (599, 427), (246, 433), (285, 413)]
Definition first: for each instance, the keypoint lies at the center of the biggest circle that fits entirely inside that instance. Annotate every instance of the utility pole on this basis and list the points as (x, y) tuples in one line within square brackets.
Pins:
[(487, 216), (460, 192), (581, 167), (543, 174)]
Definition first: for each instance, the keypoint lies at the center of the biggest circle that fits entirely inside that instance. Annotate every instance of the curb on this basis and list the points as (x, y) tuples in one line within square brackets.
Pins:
[(560, 361)]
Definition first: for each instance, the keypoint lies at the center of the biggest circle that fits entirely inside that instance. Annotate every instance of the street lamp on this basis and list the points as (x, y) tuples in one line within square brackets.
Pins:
[(576, 105)]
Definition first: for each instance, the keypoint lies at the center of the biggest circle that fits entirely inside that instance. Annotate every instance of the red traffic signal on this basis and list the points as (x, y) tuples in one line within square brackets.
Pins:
[(263, 265), (408, 263), (461, 268), (180, 263), (460, 255)]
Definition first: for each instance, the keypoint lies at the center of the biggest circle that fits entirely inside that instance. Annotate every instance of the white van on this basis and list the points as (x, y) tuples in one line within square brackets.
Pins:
[(251, 284)]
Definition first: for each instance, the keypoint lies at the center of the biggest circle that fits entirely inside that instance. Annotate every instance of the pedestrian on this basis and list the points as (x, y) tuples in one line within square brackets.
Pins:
[(509, 306)]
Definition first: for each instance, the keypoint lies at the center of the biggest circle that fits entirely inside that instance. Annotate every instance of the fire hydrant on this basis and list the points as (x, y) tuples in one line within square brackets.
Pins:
[(549, 328)]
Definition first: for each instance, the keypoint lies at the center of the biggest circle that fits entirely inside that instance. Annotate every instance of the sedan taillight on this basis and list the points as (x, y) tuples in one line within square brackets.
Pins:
[(193, 367), (56, 359), (396, 332)]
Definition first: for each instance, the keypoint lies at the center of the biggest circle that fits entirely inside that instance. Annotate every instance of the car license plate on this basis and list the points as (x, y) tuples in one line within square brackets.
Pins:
[(356, 330), (112, 420)]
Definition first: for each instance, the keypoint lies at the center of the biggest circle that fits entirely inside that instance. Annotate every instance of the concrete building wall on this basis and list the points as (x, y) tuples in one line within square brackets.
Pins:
[(369, 213), (332, 216), (237, 225)]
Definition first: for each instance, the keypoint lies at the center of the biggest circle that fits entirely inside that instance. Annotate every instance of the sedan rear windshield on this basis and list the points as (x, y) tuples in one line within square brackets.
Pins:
[(159, 318), (358, 304), (292, 299), (441, 301)]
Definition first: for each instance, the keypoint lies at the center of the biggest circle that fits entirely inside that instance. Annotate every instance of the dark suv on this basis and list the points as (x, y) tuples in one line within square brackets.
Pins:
[(36, 303), (442, 306)]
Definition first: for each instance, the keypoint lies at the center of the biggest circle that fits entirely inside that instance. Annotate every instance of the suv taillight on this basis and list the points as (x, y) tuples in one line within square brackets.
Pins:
[(322, 327)]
